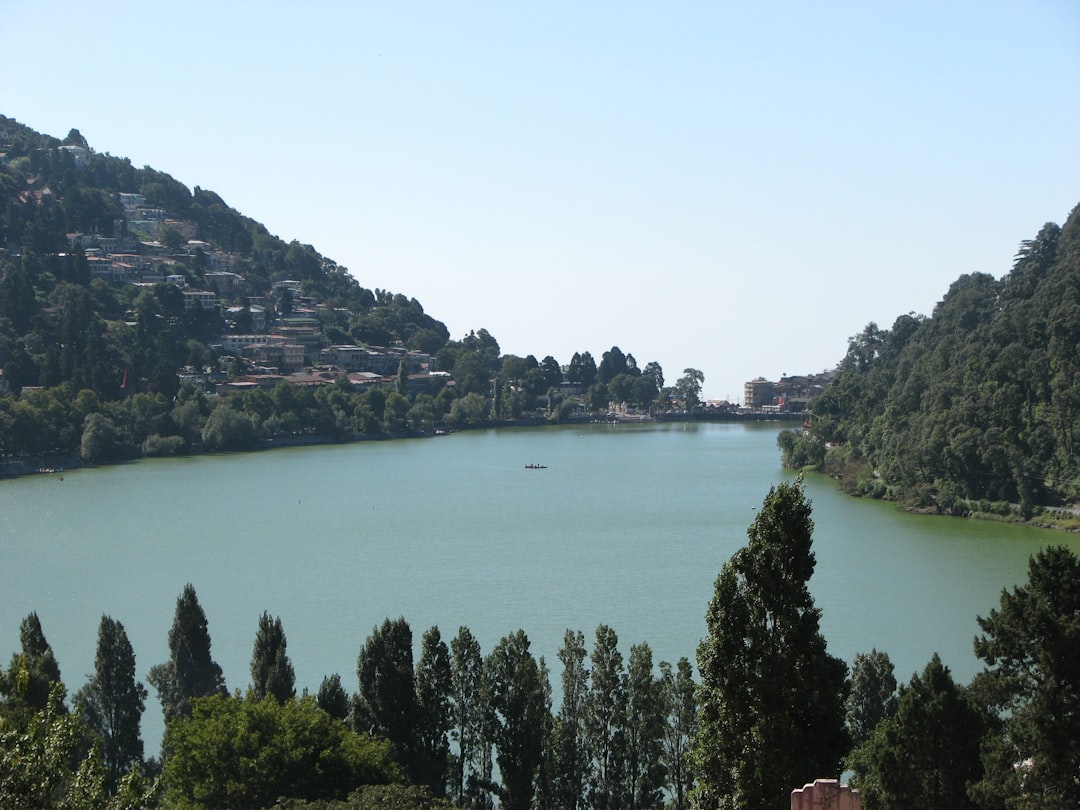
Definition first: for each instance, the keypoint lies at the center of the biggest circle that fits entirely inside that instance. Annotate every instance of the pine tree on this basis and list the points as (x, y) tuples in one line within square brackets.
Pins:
[(771, 699), (927, 753), (190, 671), (112, 703), (271, 671), (1031, 646)]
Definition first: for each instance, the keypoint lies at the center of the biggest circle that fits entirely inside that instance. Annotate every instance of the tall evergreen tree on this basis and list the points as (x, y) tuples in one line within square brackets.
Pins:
[(332, 698), (434, 690), (927, 753), (771, 699), (473, 766), (112, 702), (605, 722), (190, 671), (873, 694), (271, 671), (1031, 646), (645, 720), (387, 698), (679, 730), (31, 675), (517, 705), (569, 748)]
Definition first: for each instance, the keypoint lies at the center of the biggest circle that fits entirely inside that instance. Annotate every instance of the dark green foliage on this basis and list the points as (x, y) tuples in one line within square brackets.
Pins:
[(646, 717), (927, 753), (518, 709), (873, 694), (471, 721), (979, 401), (770, 702), (800, 451), (434, 692), (31, 676), (190, 672), (47, 765), (374, 797), (112, 702), (1031, 647), (271, 670), (605, 723), (229, 753), (679, 730), (570, 746), (386, 704), (332, 697)]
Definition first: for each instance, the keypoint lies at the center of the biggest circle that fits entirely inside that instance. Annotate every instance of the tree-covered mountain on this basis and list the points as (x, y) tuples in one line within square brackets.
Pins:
[(62, 207), (978, 402), (129, 303)]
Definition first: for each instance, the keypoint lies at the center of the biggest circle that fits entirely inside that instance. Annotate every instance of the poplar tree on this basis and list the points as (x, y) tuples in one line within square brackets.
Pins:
[(434, 690), (190, 671), (332, 698), (386, 704), (112, 703), (569, 747), (517, 706), (471, 719), (645, 720), (31, 675), (271, 671), (771, 698), (605, 722), (680, 705)]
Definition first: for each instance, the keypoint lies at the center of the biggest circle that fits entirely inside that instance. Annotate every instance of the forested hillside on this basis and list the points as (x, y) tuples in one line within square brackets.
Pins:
[(130, 304), (60, 203), (978, 402)]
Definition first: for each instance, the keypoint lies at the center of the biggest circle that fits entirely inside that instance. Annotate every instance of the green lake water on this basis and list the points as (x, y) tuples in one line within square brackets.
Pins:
[(627, 526)]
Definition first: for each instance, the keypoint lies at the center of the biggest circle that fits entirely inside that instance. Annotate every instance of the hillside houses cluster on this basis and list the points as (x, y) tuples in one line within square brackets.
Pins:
[(275, 347), (786, 395)]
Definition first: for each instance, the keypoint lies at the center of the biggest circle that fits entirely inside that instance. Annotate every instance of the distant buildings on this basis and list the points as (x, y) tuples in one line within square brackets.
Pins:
[(788, 394)]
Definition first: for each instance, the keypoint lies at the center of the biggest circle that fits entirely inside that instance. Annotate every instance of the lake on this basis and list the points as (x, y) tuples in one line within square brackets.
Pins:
[(628, 525)]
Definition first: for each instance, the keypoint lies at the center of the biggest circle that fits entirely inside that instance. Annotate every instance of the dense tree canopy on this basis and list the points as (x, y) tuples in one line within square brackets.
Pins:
[(1031, 646), (229, 753), (978, 402)]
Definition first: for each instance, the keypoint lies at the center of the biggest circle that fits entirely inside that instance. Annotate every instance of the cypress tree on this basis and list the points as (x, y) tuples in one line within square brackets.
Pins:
[(771, 699), (190, 671), (434, 718), (112, 702), (271, 671), (387, 700)]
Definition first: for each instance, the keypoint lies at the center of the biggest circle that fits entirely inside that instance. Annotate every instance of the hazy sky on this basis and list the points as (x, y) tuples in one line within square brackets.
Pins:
[(736, 187)]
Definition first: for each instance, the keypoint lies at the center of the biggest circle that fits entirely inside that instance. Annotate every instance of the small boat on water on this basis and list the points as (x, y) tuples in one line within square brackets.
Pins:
[(535, 466)]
